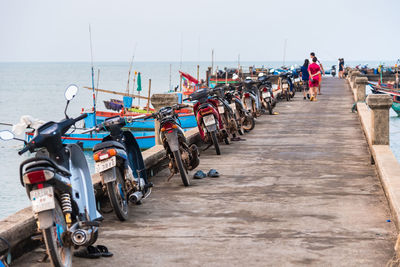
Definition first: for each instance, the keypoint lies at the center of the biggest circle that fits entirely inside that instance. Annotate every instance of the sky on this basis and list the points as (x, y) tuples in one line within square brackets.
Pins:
[(174, 30)]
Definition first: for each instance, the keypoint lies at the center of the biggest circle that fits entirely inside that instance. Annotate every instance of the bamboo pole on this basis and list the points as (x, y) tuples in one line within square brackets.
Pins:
[(115, 92), (198, 72), (148, 98)]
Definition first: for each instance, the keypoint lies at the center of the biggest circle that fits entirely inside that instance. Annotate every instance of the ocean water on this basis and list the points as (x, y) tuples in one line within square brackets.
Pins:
[(37, 89)]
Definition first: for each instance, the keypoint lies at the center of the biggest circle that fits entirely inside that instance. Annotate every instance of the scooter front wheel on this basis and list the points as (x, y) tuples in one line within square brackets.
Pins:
[(269, 107), (181, 168), (118, 196), (59, 254), (248, 123)]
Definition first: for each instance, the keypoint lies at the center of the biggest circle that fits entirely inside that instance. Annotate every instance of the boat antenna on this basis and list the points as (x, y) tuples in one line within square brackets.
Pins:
[(130, 69), (284, 52), (94, 96)]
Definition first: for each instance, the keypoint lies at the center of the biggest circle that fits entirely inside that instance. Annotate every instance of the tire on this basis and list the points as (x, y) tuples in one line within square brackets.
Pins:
[(248, 123), (269, 106), (215, 142), (181, 168), (287, 96), (118, 202), (54, 249)]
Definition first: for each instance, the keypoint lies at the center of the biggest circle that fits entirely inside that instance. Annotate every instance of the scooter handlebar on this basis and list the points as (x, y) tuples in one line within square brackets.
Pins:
[(26, 148)]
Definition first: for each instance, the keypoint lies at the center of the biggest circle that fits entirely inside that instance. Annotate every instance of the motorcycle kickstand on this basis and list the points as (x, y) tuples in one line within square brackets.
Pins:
[(207, 147)]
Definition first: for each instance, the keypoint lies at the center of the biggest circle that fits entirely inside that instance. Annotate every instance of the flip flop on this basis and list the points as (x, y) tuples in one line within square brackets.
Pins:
[(104, 251), (89, 252), (199, 175), (213, 173)]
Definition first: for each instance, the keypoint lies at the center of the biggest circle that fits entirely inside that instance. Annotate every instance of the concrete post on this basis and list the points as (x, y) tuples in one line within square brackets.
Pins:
[(158, 101), (361, 82), (354, 75), (208, 76), (380, 105)]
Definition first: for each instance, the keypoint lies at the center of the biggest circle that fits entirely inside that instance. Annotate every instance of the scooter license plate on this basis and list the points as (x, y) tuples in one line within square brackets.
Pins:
[(285, 85), (42, 199), (233, 106), (266, 94), (105, 164), (209, 120), (221, 109)]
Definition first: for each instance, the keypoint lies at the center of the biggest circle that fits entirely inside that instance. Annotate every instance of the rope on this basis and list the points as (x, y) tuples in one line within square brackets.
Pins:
[(354, 107)]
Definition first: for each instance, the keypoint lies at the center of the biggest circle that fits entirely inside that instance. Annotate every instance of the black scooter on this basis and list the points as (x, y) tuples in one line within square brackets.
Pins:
[(119, 162)]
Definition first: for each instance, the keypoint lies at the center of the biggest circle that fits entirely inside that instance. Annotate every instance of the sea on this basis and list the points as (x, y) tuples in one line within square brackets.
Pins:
[(37, 89)]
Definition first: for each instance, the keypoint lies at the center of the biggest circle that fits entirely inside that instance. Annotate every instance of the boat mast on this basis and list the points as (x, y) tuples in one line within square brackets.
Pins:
[(94, 96), (284, 52)]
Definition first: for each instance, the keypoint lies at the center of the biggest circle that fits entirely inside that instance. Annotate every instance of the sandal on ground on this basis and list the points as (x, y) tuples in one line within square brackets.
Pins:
[(104, 251), (89, 252), (213, 173), (199, 175)]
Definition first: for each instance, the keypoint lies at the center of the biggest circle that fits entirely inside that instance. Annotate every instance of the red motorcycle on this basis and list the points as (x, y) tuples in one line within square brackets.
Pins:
[(208, 118)]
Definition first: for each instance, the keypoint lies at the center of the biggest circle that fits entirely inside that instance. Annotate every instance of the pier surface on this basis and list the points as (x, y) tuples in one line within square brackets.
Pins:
[(299, 191)]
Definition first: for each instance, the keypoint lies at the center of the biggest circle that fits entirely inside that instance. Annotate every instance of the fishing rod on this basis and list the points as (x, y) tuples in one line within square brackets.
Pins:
[(5, 124), (130, 69), (94, 96)]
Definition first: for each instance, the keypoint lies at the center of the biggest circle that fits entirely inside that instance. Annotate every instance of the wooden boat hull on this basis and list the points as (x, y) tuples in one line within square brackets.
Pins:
[(395, 94)]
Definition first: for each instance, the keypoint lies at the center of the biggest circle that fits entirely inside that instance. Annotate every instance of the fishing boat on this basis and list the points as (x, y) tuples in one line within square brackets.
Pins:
[(186, 118), (145, 139), (389, 89)]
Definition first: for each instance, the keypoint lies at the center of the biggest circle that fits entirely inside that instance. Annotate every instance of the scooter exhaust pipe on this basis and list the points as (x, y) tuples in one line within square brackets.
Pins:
[(135, 197), (80, 237)]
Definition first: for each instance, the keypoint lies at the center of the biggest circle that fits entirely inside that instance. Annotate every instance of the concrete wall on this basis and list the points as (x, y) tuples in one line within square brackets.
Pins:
[(21, 226)]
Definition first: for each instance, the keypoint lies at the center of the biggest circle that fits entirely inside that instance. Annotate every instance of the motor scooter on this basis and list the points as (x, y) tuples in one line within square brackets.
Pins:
[(59, 185)]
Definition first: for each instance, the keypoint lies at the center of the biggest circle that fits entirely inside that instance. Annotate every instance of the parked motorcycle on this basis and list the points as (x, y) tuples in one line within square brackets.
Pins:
[(244, 118), (208, 119), (251, 97), (182, 157), (58, 183), (226, 112), (266, 95), (119, 162), (333, 71)]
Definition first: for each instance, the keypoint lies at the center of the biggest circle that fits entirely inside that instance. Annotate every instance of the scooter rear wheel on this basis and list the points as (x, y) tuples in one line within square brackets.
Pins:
[(60, 256), (181, 168), (118, 196), (215, 142)]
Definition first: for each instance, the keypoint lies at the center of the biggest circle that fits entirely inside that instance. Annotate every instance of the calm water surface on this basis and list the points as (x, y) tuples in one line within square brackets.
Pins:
[(37, 89)]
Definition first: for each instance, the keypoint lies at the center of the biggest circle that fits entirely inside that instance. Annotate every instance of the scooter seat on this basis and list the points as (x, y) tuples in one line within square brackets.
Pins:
[(108, 144)]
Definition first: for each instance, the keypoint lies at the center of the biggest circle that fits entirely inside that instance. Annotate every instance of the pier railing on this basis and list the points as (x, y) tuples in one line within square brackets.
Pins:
[(373, 112)]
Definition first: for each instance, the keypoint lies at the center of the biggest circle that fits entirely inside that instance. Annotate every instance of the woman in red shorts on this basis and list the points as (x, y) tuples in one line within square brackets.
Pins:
[(315, 76)]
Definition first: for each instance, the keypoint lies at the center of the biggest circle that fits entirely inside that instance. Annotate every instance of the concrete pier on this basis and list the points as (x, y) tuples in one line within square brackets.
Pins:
[(300, 191)]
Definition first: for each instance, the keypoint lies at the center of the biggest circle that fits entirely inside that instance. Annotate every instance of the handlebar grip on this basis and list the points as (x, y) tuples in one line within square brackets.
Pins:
[(185, 99), (22, 151), (84, 115)]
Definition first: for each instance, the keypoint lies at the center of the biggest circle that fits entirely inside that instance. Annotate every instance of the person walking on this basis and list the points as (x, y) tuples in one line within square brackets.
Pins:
[(312, 56), (314, 72), (341, 68), (305, 77)]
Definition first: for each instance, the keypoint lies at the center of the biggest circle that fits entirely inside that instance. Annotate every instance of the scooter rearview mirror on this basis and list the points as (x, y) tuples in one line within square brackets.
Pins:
[(71, 92), (6, 135)]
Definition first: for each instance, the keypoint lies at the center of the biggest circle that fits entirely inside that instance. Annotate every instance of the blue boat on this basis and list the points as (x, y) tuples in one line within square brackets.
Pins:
[(187, 120), (145, 139)]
